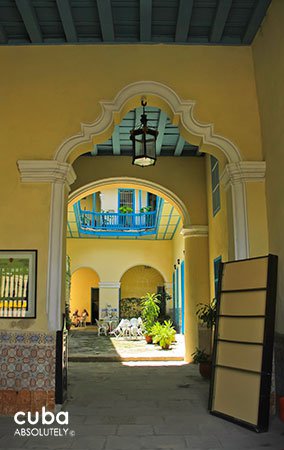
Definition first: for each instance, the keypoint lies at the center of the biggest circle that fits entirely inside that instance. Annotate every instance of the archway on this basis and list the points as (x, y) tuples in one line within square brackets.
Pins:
[(136, 282), (180, 111), (83, 283), (60, 173)]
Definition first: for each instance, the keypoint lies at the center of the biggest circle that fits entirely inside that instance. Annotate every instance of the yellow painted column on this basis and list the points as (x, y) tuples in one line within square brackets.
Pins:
[(196, 277)]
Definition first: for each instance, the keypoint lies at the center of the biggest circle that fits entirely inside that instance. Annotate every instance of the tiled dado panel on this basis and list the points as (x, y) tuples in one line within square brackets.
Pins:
[(27, 371)]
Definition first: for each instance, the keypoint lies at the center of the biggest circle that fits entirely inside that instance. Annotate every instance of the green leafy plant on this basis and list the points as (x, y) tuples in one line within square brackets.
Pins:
[(155, 330), (206, 313), (200, 356), (125, 209), (145, 209), (164, 334), (150, 310)]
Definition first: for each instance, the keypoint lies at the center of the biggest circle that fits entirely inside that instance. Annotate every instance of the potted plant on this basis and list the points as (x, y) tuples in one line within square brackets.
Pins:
[(145, 209), (203, 359), (126, 221), (206, 313), (149, 310), (164, 335)]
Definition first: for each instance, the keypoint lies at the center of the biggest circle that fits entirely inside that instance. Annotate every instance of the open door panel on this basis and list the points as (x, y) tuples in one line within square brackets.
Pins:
[(243, 342)]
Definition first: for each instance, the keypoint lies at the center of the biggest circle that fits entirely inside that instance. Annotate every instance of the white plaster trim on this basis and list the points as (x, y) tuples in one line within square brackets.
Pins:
[(239, 206), (243, 171), (138, 182), (195, 231), (54, 271), (109, 284), (168, 285), (182, 109), (46, 171)]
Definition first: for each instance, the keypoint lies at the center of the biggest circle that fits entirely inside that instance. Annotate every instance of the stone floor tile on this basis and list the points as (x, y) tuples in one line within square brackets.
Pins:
[(135, 430)]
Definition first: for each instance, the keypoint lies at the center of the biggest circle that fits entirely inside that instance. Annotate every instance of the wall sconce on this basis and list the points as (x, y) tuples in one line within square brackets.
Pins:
[(178, 261), (175, 266)]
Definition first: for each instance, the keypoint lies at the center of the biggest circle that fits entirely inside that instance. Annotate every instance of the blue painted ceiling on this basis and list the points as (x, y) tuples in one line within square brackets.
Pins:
[(169, 141), (223, 22)]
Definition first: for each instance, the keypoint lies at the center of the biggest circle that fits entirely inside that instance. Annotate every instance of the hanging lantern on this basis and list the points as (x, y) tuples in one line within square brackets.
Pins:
[(144, 142)]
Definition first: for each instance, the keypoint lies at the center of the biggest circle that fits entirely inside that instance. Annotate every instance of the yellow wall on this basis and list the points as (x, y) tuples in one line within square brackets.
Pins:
[(59, 87), (268, 50), (183, 176), (111, 258), (82, 280), (139, 280), (217, 225)]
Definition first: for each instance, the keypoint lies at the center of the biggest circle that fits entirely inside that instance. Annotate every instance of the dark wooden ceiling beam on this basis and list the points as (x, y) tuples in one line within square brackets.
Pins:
[(30, 20), (3, 35), (145, 20), (106, 20), (255, 20), (221, 17), (67, 20), (183, 20)]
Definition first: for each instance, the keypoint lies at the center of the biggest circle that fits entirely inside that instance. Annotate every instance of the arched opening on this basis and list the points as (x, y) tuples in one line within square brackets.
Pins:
[(135, 283), (84, 293)]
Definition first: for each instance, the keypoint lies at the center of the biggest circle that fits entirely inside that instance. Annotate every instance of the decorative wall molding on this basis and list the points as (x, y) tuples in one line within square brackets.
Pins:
[(129, 181), (195, 231), (46, 171), (234, 177), (183, 112), (109, 284), (168, 286), (243, 171)]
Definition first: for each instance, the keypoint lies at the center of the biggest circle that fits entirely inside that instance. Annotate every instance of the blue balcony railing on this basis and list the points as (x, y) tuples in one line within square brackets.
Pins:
[(106, 222)]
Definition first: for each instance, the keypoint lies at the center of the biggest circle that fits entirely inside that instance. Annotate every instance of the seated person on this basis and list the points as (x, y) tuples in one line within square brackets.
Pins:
[(75, 318), (84, 316)]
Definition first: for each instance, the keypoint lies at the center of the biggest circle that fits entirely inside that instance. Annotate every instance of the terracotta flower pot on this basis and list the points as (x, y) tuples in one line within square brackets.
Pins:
[(148, 339), (205, 369)]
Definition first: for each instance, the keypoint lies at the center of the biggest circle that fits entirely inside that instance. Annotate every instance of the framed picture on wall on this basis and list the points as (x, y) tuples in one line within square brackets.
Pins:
[(18, 284)]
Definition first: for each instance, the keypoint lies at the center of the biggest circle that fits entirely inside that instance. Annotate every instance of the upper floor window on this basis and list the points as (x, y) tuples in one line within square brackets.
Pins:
[(126, 198), (215, 185)]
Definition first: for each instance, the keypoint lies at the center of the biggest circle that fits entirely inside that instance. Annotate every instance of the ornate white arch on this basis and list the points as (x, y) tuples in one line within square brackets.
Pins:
[(182, 110), (130, 181)]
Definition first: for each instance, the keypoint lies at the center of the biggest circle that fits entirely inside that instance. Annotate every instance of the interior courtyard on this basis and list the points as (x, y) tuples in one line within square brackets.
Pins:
[(97, 226)]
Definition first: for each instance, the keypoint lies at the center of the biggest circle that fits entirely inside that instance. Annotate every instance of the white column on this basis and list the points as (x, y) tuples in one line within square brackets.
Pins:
[(61, 176), (109, 295), (234, 178)]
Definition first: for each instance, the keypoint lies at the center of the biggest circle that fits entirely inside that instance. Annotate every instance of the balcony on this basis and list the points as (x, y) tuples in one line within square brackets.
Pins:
[(111, 223)]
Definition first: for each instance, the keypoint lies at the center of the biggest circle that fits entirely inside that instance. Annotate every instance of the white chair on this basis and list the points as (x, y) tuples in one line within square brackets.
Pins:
[(125, 327), (102, 327)]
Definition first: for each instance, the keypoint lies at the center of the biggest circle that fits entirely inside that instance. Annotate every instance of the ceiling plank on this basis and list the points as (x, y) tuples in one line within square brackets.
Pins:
[(137, 117), (145, 20), (3, 35), (30, 20), (183, 20), (161, 128), (255, 20), (106, 20), (116, 141), (67, 20), (221, 17), (179, 146)]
